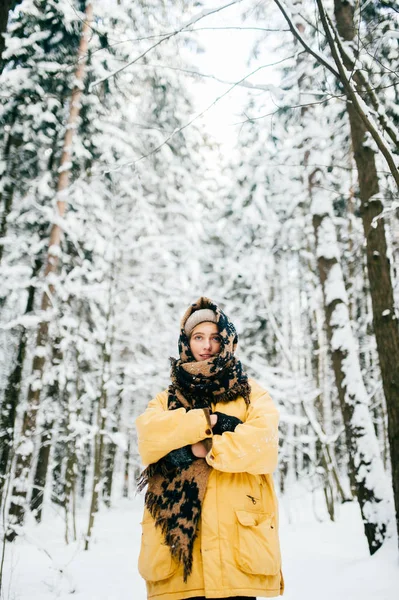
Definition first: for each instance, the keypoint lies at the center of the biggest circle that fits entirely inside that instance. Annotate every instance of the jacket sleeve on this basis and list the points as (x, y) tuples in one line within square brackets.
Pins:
[(253, 446), (160, 430)]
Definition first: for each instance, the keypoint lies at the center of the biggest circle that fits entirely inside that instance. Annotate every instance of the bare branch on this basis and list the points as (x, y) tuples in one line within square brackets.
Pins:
[(237, 28), (180, 129), (164, 35), (343, 76), (251, 119), (253, 86), (192, 21), (358, 103), (361, 78), (319, 57)]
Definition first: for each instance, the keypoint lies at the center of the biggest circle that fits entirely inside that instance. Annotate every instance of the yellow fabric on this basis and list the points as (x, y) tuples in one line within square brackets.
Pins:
[(237, 550)]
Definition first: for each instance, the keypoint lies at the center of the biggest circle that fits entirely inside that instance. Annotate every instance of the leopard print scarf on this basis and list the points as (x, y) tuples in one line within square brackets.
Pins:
[(174, 495)]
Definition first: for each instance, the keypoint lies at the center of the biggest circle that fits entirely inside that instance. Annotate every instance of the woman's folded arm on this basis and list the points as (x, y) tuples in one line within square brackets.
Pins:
[(160, 430)]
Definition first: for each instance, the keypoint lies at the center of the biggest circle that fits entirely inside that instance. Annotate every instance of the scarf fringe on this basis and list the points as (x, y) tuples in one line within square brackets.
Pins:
[(171, 540), (154, 469)]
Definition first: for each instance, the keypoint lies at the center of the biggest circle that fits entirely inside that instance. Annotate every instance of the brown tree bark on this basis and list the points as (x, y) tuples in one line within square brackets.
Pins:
[(378, 265), (25, 447)]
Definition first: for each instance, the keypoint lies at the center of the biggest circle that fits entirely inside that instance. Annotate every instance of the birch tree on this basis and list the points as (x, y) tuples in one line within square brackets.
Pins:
[(25, 447), (32, 116)]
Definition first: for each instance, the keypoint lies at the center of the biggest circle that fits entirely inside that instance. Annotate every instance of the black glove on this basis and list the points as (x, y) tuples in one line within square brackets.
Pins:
[(182, 457), (225, 423)]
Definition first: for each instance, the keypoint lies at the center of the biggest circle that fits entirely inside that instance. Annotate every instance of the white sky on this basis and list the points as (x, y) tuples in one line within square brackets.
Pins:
[(226, 56)]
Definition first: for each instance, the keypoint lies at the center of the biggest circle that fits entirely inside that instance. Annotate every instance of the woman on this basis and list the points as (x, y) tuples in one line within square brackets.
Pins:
[(210, 525)]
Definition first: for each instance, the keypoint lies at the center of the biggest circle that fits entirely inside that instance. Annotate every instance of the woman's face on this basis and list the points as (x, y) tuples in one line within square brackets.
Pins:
[(205, 341)]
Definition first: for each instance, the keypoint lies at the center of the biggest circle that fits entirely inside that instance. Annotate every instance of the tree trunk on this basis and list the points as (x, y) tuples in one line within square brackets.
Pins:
[(40, 478), (102, 405), (385, 323), (98, 451), (110, 454), (12, 392), (323, 407), (70, 489), (25, 447), (126, 470), (6, 196), (39, 484), (72, 466), (364, 456), (59, 457)]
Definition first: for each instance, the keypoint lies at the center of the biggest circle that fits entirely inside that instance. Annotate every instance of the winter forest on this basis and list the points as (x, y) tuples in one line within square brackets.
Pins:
[(155, 151)]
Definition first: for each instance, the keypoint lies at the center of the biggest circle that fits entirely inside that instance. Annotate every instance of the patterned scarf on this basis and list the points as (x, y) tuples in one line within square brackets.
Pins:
[(174, 495)]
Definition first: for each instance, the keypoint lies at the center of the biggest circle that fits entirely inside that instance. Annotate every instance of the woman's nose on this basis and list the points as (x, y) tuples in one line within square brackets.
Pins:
[(207, 344)]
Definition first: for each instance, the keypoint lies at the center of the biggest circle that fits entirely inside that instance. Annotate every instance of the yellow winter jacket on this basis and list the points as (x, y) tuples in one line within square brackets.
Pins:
[(237, 550)]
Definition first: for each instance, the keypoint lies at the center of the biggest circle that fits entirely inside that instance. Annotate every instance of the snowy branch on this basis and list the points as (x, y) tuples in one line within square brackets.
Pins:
[(358, 103), (343, 75), (319, 57)]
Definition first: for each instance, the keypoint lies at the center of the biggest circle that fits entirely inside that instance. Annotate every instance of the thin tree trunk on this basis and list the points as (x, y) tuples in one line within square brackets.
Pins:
[(98, 447), (86, 461), (385, 323), (12, 392), (326, 452), (70, 487), (364, 455), (126, 471), (59, 456), (111, 453), (6, 196), (25, 448), (72, 464), (39, 481), (331, 463), (102, 407)]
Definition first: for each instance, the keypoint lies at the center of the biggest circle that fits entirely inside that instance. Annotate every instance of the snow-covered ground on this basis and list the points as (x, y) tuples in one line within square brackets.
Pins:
[(321, 560)]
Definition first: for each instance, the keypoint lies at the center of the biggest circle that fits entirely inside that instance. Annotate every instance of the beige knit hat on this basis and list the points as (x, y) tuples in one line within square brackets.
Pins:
[(199, 316)]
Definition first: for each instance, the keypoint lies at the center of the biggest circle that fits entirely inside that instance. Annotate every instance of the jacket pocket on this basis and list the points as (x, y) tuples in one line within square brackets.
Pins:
[(155, 560), (257, 549)]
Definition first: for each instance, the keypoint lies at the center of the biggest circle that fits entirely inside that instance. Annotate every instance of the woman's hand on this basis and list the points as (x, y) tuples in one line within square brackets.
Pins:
[(214, 419), (199, 449), (225, 423)]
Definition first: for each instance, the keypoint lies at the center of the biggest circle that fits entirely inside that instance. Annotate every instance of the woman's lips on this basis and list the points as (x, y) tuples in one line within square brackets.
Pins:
[(205, 355)]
